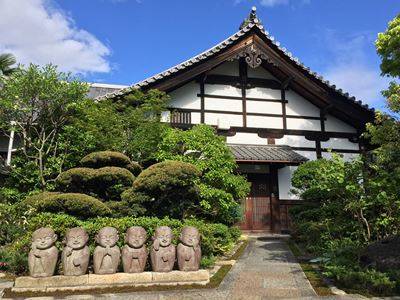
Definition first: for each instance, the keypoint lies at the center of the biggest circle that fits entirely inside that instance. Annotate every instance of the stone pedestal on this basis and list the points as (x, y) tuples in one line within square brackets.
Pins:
[(93, 281)]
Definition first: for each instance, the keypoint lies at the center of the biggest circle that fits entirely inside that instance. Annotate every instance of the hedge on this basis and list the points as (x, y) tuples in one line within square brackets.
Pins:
[(106, 183), (216, 239), (110, 159), (78, 205)]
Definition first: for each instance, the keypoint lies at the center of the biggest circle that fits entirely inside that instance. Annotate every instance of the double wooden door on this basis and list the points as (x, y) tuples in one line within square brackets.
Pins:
[(257, 206)]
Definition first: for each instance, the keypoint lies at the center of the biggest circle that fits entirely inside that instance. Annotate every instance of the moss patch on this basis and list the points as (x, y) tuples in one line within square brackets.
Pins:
[(313, 274)]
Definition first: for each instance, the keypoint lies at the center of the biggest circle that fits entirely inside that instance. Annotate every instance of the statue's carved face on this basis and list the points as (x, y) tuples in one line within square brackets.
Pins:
[(190, 236), (164, 236), (44, 238), (136, 236), (107, 237), (76, 238)]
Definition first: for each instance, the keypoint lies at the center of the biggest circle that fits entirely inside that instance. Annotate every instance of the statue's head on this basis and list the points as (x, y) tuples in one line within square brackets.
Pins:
[(136, 236), (162, 237), (190, 236), (44, 238), (76, 238), (107, 237)]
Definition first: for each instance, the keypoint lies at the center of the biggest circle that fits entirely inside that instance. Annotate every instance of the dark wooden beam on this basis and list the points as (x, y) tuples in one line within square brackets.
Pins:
[(235, 81)]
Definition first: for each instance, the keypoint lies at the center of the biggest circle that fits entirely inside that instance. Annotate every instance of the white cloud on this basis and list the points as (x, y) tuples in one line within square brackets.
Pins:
[(271, 3), (352, 70), (38, 32)]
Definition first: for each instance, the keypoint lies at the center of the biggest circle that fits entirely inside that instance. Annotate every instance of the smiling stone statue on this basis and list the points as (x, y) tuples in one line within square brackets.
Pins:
[(75, 256), (43, 256), (163, 252), (189, 251), (134, 253), (106, 255)]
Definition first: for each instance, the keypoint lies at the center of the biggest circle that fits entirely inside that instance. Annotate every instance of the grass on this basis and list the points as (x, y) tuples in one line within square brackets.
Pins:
[(313, 274), (215, 281)]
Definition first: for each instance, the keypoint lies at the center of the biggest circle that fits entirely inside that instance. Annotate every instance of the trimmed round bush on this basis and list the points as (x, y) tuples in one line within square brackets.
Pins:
[(106, 183), (74, 204), (166, 189), (110, 159)]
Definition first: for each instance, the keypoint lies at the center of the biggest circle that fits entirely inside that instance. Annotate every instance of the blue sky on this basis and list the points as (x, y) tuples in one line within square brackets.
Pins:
[(124, 41)]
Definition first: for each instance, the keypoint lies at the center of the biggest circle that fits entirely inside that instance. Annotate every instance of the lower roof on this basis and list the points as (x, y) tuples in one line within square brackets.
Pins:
[(266, 153)]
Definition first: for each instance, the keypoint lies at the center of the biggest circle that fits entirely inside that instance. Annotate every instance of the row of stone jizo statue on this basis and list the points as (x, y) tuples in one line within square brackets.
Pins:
[(75, 256)]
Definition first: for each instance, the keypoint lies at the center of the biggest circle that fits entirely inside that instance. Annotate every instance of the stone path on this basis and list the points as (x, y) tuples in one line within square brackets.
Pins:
[(267, 270)]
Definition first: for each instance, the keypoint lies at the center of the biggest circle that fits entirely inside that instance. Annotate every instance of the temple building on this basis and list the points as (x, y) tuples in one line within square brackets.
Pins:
[(274, 112)]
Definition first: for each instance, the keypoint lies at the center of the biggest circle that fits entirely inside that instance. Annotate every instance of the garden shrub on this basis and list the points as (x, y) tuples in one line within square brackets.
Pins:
[(79, 205), (106, 183), (216, 239), (166, 189), (102, 159)]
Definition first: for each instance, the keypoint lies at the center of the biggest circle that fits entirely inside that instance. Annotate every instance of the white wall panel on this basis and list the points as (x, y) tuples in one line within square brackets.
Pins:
[(303, 124), (299, 106), (227, 68), (259, 72), (339, 143), (186, 96), (263, 107), (246, 138), (264, 93), (196, 117), (295, 141), (223, 120), (223, 104), (334, 124), (264, 122), (222, 90), (284, 182)]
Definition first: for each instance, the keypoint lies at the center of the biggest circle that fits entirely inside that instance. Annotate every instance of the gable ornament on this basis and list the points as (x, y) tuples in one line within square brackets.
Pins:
[(254, 56)]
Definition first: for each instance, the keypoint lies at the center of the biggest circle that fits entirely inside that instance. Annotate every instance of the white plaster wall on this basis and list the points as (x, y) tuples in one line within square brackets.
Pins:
[(346, 156), (246, 138), (223, 104), (263, 93), (259, 72), (222, 90), (224, 121), (295, 141), (263, 107), (186, 96), (165, 116), (299, 106), (303, 124), (195, 117), (227, 68), (334, 124), (339, 143), (284, 182), (264, 122)]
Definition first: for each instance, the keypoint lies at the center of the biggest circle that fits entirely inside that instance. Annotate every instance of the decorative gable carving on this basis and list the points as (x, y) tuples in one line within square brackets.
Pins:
[(254, 56)]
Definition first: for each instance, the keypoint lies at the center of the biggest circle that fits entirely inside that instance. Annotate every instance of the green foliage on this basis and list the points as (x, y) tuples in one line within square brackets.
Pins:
[(78, 205), (166, 189), (37, 102), (216, 239), (110, 159), (106, 183), (7, 60), (220, 189), (13, 221)]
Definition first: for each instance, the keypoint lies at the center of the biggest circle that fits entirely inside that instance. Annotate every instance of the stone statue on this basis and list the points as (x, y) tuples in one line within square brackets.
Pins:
[(106, 255), (189, 250), (43, 256), (76, 254), (163, 252), (134, 253)]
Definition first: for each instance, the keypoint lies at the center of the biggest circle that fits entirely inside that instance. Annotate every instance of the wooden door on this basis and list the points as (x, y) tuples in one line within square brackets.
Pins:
[(257, 206)]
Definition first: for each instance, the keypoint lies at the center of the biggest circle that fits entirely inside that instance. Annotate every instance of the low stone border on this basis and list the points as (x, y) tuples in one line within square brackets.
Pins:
[(93, 281)]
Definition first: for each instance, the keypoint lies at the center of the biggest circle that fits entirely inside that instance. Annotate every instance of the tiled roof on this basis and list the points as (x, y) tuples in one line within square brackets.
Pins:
[(266, 153), (98, 90), (249, 24)]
